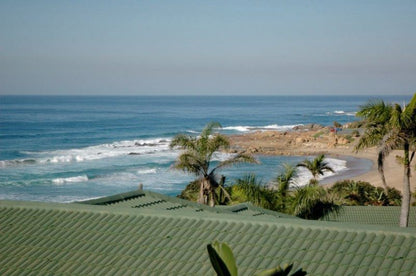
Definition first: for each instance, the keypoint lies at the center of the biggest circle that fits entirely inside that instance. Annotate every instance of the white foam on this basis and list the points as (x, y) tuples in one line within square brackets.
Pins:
[(121, 148), (351, 113), (74, 179), (192, 131), (147, 171), (342, 112), (238, 128), (261, 128), (304, 175)]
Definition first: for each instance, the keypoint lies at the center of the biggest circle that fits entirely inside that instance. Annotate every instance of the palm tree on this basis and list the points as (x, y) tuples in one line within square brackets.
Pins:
[(197, 159), (317, 166), (313, 202), (250, 188), (283, 182), (392, 127)]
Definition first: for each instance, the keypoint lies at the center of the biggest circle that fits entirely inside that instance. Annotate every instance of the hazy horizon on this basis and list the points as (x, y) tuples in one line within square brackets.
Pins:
[(207, 48)]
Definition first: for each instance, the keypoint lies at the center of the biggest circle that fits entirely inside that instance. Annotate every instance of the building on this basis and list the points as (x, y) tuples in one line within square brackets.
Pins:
[(144, 233)]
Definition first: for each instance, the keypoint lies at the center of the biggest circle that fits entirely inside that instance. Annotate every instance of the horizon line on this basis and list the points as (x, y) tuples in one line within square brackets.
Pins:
[(201, 95)]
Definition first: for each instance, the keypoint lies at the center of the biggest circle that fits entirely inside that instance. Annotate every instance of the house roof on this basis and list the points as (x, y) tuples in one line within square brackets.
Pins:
[(379, 215), (56, 239), (141, 199)]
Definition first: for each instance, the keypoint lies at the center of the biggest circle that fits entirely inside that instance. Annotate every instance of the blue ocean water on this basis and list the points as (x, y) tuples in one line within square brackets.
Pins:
[(66, 148)]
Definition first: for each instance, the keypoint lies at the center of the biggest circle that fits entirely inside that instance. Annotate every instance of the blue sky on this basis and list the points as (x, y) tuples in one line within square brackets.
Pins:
[(207, 47)]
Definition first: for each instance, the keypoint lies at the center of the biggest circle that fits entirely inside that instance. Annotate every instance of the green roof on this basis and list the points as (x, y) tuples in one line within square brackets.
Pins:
[(379, 215), (140, 199), (84, 239)]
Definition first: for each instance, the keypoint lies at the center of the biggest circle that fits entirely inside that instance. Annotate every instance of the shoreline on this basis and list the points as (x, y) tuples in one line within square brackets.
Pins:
[(356, 167), (362, 165)]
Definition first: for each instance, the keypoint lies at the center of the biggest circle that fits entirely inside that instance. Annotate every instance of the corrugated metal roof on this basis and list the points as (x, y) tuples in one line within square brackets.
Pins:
[(81, 239)]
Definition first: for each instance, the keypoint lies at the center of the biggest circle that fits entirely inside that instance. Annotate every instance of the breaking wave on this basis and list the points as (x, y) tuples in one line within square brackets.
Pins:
[(147, 171), (303, 175), (261, 128), (121, 148), (75, 179), (342, 112)]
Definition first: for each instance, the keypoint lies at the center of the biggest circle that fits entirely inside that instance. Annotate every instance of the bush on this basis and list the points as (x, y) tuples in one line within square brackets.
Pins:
[(356, 124), (349, 138), (394, 197), (250, 189), (191, 191), (363, 193)]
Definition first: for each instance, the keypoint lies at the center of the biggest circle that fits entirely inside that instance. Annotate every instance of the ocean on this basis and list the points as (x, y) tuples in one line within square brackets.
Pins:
[(70, 148)]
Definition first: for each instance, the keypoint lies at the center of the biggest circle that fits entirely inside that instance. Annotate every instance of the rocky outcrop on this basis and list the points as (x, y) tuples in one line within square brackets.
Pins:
[(301, 140)]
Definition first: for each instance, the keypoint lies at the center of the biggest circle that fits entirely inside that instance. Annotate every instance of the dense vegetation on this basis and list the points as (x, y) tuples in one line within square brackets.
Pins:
[(310, 202)]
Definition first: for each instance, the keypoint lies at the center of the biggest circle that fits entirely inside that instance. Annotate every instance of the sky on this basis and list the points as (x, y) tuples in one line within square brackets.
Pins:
[(207, 47)]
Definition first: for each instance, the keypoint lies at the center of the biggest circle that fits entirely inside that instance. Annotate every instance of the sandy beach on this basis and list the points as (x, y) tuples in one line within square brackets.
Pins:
[(319, 140)]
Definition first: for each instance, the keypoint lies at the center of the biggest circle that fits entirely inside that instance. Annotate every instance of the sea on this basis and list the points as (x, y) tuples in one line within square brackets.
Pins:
[(72, 148)]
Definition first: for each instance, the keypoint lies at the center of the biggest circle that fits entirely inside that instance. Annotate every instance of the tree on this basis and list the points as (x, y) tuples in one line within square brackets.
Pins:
[(317, 166), (313, 202), (197, 156), (283, 182), (249, 188), (391, 127)]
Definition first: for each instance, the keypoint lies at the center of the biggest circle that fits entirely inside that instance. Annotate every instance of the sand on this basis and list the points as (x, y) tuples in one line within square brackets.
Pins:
[(362, 165)]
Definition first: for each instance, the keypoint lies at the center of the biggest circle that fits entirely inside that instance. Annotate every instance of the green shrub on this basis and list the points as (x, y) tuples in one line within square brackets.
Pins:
[(250, 189), (318, 134), (363, 193), (394, 197), (349, 138), (191, 191), (356, 124)]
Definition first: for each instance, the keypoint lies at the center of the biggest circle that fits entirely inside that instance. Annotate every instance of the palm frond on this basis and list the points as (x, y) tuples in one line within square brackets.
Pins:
[(249, 188), (284, 180), (183, 141), (218, 142), (236, 159), (371, 137), (375, 111), (189, 162), (313, 202), (317, 166), (305, 163), (208, 129), (409, 115), (396, 117)]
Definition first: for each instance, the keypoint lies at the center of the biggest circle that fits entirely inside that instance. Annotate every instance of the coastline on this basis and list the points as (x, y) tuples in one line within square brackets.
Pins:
[(362, 165)]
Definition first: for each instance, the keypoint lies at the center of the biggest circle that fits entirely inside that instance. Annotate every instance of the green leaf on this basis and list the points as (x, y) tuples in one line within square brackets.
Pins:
[(222, 259), (272, 272), (278, 271)]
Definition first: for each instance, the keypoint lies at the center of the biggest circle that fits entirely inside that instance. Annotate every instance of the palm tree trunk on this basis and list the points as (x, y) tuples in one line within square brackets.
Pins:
[(404, 213), (380, 167), (203, 191), (211, 202)]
